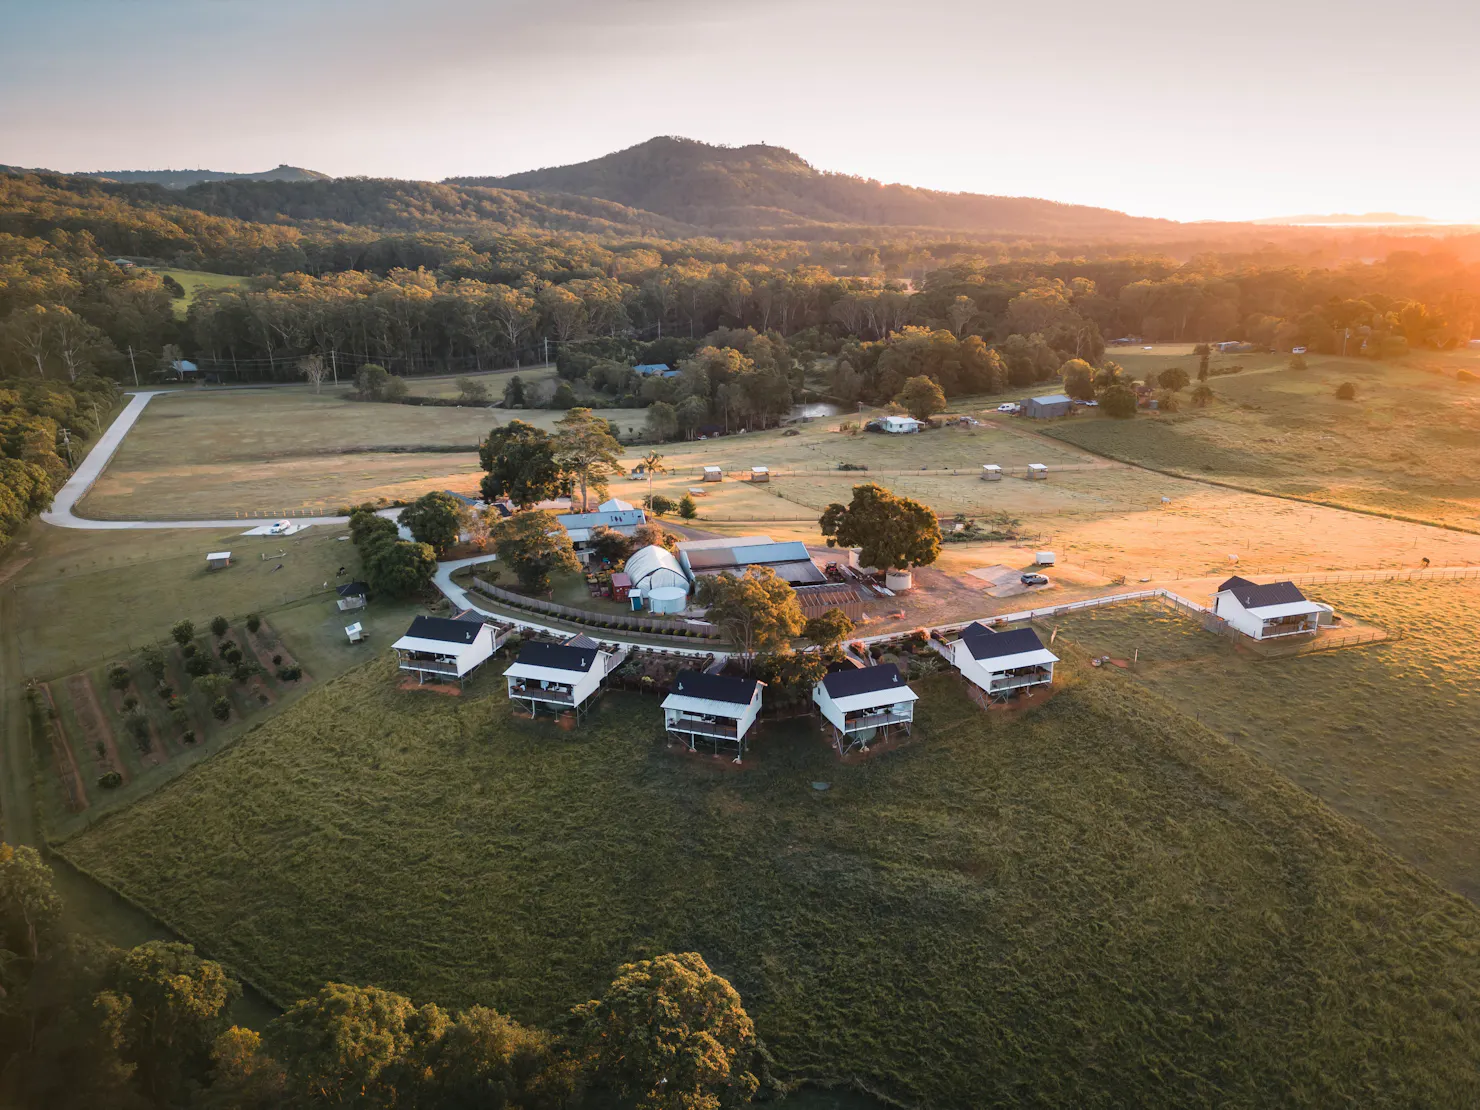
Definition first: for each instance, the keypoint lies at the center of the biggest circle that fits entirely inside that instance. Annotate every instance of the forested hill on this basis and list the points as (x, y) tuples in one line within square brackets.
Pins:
[(182, 179), (767, 189)]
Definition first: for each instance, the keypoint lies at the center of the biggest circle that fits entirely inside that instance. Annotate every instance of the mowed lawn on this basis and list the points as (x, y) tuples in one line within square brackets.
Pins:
[(1409, 444), (1387, 734), (1096, 904)]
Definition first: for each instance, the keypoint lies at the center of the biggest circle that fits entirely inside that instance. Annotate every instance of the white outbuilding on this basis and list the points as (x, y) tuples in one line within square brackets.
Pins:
[(657, 578), (900, 425), (718, 709), (713, 474), (863, 702), (1269, 611), (1037, 471), (1002, 663), (991, 472)]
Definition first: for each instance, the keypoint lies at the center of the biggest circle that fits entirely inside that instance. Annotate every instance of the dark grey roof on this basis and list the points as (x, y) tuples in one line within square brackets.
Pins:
[(558, 657), (1253, 596), (863, 680), (714, 687), (441, 628), (354, 589), (983, 643)]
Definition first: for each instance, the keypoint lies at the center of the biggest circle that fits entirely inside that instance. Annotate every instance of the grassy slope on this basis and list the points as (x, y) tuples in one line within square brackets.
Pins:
[(1098, 904), (1410, 443), (1385, 734), (194, 281)]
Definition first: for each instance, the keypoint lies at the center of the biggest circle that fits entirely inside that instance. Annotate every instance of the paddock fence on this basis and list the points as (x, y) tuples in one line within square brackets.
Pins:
[(588, 617)]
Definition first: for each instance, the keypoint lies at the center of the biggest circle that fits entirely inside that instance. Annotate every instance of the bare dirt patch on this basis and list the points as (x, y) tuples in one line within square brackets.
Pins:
[(68, 773), (90, 718)]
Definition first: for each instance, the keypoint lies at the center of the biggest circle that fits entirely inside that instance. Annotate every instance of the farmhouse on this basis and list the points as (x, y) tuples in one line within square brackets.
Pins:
[(858, 703), (1266, 612), (718, 708), (579, 526), (1002, 663), (562, 676), (1049, 406), (790, 560), (900, 425), (444, 648), (651, 370)]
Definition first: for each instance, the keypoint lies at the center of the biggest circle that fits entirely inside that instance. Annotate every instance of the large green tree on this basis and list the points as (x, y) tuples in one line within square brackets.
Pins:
[(670, 1034), (757, 610), (586, 450), (435, 519), (922, 397), (485, 1060), (1079, 379), (891, 531), (534, 546), (521, 465), (399, 568)]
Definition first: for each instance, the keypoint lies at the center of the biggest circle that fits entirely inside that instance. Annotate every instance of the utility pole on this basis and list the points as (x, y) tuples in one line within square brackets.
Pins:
[(334, 364), (547, 350), (67, 442), (134, 364)]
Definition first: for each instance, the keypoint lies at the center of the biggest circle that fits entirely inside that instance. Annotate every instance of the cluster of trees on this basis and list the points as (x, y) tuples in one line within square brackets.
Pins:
[(85, 1026), (392, 567), (526, 465), (37, 421)]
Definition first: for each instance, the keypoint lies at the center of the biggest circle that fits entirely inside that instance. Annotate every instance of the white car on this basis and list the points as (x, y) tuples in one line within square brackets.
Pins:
[(1010, 408), (280, 528)]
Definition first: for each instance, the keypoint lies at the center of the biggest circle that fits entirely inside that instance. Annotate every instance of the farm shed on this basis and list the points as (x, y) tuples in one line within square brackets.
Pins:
[(718, 708), (900, 425), (621, 586), (1049, 406), (352, 595), (446, 648), (790, 560), (859, 702), (653, 567), (1267, 612), (713, 474), (1037, 471), (816, 600), (760, 474), (562, 676), (218, 560), (579, 526), (1002, 663), (991, 472)]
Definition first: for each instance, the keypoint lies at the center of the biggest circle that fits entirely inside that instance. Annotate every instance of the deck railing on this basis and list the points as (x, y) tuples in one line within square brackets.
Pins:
[(539, 693), (726, 729)]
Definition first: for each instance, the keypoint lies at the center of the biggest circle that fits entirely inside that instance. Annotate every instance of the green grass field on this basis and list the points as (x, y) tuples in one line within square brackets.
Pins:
[(1409, 444), (1096, 904), (195, 281), (1386, 734)]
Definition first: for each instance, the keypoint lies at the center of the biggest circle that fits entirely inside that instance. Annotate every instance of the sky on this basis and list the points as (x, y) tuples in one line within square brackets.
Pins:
[(1157, 108)]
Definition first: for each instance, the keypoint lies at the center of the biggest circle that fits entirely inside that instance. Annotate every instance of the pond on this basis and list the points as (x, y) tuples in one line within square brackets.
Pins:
[(816, 410)]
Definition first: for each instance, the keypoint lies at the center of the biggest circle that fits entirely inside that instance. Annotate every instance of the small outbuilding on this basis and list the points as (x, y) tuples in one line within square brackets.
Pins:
[(1045, 558), (1002, 663), (621, 586), (718, 709), (900, 425), (1037, 472), (991, 472), (760, 474), (440, 648), (653, 568), (713, 474), (1049, 406), (218, 560), (352, 595), (861, 703)]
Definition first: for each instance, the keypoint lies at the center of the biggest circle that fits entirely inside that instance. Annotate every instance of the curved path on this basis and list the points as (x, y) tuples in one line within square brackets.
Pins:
[(62, 514)]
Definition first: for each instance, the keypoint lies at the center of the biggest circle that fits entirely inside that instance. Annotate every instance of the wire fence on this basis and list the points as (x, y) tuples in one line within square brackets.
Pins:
[(587, 616)]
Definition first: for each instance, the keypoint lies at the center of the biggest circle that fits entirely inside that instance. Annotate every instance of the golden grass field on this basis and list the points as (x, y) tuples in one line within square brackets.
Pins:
[(1387, 734)]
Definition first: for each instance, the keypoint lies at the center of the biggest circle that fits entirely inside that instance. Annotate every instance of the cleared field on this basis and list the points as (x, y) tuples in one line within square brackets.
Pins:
[(1096, 904), (194, 281), (1409, 444), (1386, 734)]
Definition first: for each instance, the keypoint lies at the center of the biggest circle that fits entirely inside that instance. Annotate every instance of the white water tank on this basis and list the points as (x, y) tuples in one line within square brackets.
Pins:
[(667, 599), (898, 580)]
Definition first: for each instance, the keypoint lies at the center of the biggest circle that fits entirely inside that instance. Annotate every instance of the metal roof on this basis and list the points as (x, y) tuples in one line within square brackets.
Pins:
[(864, 680), (1053, 399), (1251, 595), (714, 687), (556, 657), (445, 629), (983, 643), (622, 518)]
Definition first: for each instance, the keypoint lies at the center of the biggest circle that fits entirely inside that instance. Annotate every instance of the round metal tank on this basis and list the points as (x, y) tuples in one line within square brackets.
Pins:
[(667, 599), (898, 580)]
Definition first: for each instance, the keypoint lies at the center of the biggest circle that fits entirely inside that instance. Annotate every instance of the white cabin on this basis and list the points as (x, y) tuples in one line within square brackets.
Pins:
[(439, 648), (900, 425), (560, 676), (760, 473), (1037, 471), (716, 708), (1267, 612), (858, 703), (1002, 663), (991, 472)]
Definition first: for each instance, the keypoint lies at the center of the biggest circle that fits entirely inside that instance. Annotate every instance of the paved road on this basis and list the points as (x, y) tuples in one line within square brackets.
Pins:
[(62, 514)]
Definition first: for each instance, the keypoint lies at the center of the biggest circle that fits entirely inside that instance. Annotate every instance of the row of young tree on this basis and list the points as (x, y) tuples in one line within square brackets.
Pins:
[(85, 1026)]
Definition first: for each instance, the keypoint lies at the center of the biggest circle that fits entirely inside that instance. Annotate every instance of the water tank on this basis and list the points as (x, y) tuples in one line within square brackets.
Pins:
[(898, 580), (667, 599)]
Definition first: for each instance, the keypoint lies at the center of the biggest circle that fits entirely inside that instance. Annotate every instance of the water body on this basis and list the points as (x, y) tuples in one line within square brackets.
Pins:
[(814, 411)]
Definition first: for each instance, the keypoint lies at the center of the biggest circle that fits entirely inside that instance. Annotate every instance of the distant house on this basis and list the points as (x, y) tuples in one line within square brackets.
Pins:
[(579, 526), (440, 648), (183, 366), (651, 369), (615, 505), (1267, 612), (790, 560), (1002, 663), (900, 425), (1049, 406), (716, 708), (858, 703), (560, 676)]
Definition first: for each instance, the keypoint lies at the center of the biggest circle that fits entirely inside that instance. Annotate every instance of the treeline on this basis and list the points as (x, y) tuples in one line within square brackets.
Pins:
[(37, 421), (84, 1026)]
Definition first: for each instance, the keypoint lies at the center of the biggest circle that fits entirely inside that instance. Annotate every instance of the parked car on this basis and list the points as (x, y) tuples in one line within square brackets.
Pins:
[(1034, 580), (1010, 408), (1088, 404), (280, 528)]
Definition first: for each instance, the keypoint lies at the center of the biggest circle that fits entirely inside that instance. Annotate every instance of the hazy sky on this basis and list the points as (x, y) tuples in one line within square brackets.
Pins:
[(1191, 111)]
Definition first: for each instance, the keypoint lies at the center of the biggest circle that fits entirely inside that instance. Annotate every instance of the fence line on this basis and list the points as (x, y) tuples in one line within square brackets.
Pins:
[(587, 616)]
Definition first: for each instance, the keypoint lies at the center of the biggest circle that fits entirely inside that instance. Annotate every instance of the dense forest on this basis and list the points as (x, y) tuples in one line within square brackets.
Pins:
[(422, 278)]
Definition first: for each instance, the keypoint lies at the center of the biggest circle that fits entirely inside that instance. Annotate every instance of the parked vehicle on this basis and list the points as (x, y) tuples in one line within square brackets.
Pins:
[(1034, 580), (1010, 408)]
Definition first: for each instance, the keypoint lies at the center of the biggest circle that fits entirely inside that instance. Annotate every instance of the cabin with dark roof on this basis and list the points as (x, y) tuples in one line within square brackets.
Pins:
[(1003, 664), (863, 703), (558, 676), (718, 710), (440, 648), (1269, 611)]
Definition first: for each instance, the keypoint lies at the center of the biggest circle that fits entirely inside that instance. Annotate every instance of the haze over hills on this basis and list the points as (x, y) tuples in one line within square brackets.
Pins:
[(1345, 219), (183, 179), (767, 189)]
